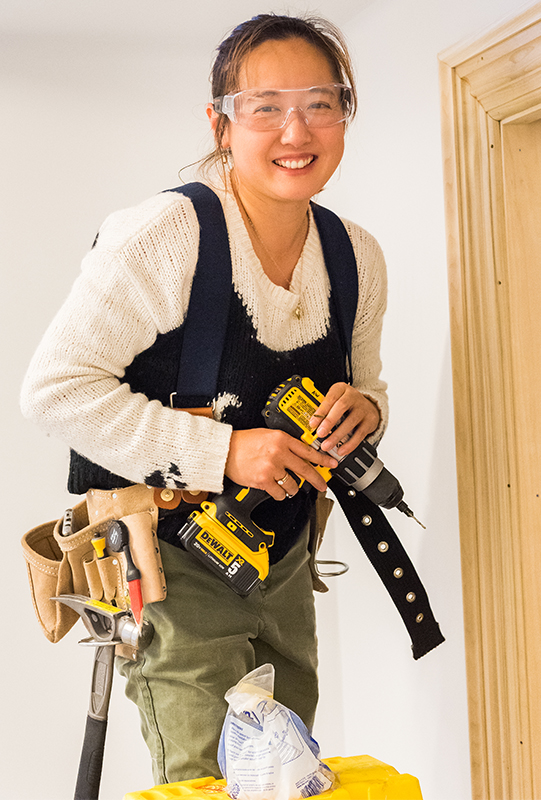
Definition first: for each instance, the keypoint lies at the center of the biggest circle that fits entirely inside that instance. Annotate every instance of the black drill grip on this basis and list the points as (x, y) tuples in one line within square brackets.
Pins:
[(228, 500), (90, 765)]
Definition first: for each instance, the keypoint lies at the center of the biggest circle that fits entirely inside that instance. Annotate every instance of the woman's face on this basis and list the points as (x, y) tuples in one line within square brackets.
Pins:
[(295, 162)]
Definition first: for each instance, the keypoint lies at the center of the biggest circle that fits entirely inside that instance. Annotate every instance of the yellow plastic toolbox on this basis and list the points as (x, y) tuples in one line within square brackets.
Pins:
[(358, 778)]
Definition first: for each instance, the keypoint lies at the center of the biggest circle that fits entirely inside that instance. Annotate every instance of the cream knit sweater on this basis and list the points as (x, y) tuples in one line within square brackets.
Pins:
[(135, 284)]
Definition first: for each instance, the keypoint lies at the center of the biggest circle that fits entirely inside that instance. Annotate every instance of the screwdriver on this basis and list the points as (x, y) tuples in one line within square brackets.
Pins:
[(98, 543), (118, 540)]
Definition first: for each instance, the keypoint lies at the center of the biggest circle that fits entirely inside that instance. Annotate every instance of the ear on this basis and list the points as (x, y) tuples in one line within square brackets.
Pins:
[(214, 118)]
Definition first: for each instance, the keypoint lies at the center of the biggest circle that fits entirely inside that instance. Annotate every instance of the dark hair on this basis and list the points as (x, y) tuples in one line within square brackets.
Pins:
[(232, 52)]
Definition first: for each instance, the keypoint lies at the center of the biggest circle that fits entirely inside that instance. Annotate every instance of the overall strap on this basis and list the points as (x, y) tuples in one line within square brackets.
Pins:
[(206, 319), (341, 267)]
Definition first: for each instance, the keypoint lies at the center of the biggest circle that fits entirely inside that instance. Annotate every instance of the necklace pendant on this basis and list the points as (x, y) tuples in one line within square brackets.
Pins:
[(298, 311)]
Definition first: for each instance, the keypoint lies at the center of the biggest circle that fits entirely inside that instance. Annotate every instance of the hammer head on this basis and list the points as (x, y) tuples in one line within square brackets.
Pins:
[(108, 624)]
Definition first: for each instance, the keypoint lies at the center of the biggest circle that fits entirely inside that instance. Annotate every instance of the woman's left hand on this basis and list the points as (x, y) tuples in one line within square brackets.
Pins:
[(360, 415)]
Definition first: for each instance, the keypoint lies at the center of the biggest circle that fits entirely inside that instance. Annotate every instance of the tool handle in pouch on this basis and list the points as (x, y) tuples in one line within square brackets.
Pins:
[(118, 540)]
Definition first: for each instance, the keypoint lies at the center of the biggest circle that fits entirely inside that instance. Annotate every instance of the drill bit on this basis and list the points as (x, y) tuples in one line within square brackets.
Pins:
[(402, 506)]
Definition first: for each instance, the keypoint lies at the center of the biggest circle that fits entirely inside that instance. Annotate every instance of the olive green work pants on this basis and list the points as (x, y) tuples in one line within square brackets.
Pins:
[(206, 639)]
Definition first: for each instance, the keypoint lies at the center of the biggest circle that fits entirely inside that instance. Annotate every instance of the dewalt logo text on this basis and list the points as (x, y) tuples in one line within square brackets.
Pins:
[(217, 547)]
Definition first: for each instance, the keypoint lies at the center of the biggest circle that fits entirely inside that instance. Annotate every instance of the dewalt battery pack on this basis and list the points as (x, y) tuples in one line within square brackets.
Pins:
[(223, 536), (357, 778)]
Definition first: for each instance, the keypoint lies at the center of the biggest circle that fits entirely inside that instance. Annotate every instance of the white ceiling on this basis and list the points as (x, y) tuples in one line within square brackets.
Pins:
[(211, 19)]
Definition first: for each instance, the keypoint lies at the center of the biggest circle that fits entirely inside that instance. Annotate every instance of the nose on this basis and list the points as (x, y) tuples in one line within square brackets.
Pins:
[(295, 129)]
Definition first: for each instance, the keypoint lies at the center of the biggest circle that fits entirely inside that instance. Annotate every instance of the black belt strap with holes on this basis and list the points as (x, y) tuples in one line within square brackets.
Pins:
[(393, 565)]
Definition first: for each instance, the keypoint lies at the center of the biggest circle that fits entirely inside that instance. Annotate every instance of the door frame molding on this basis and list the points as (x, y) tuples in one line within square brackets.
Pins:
[(488, 82)]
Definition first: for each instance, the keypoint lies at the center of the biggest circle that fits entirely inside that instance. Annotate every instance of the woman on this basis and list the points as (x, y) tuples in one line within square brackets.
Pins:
[(282, 95)]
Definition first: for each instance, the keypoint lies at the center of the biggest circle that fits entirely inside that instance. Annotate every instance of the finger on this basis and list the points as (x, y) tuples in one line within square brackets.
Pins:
[(306, 471), (276, 491), (309, 454), (346, 404), (333, 395), (345, 447), (299, 462), (342, 432), (289, 484), (332, 434), (346, 438), (282, 488)]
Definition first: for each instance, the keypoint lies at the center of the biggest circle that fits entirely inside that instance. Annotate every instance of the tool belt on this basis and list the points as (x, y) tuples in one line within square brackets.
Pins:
[(59, 564)]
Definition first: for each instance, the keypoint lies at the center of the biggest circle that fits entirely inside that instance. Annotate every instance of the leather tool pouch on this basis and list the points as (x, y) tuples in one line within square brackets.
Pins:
[(59, 564)]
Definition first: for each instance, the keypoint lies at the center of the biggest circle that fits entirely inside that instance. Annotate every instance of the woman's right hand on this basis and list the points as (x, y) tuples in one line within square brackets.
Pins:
[(260, 457)]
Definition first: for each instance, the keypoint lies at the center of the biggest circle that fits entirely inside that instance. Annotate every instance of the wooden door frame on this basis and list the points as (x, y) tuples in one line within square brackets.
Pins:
[(486, 83)]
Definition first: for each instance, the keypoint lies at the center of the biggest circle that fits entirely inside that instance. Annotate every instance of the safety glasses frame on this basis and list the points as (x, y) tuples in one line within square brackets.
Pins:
[(226, 105)]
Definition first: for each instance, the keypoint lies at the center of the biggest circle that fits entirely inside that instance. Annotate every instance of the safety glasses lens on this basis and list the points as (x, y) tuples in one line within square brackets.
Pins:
[(269, 109)]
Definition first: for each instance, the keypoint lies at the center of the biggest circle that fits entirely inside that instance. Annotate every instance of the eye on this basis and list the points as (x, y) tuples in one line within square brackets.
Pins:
[(319, 105), (268, 109)]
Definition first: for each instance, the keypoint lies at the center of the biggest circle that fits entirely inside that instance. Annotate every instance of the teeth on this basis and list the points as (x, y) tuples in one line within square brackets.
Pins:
[(295, 164)]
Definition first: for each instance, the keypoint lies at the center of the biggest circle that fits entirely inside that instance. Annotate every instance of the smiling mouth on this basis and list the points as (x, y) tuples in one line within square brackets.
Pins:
[(290, 163)]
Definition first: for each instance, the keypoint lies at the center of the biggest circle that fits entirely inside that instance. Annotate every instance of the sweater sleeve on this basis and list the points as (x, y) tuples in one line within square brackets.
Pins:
[(366, 340), (134, 284)]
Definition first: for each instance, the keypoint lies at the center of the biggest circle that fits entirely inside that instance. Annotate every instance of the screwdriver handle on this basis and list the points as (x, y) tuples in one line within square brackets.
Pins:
[(118, 540), (136, 599), (133, 577), (132, 573)]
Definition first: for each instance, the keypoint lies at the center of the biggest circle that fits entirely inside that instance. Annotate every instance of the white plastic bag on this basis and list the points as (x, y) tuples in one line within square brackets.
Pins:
[(265, 750)]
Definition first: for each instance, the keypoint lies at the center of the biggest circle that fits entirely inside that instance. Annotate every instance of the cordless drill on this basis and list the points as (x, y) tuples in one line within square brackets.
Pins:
[(222, 534), (290, 408)]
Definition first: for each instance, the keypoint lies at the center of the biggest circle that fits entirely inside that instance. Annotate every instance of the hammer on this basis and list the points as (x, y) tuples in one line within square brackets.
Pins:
[(108, 626)]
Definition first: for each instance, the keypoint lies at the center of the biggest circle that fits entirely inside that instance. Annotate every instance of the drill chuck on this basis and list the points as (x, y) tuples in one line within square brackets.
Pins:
[(385, 490), (364, 472)]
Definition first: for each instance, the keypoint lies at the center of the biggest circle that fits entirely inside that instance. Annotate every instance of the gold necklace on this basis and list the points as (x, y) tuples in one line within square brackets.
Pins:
[(298, 308)]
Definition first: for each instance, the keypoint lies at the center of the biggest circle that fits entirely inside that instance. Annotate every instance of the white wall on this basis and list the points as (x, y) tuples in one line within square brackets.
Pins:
[(102, 106)]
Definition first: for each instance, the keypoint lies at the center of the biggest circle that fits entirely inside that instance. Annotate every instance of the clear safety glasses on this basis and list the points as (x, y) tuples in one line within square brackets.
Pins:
[(270, 109)]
